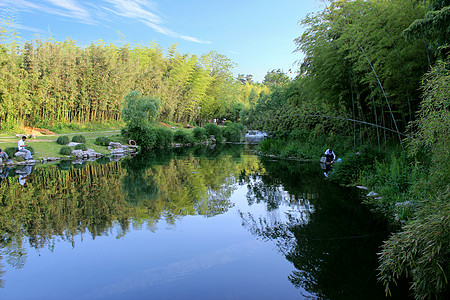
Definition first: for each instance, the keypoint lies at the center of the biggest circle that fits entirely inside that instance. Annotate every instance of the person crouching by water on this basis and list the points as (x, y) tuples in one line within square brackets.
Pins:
[(4, 156), (21, 146), (330, 156)]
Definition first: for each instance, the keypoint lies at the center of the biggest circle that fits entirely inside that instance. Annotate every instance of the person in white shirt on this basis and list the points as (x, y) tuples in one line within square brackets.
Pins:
[(331, 157), (21, 147)]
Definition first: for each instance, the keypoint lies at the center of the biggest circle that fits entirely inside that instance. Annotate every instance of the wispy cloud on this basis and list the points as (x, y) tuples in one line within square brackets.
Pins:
[(66, 8), (73, 8), (143, 11)]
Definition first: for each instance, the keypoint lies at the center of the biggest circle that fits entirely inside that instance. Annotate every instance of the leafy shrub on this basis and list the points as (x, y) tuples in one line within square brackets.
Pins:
[(149, 138), (102, 141), (353, 164), (145, 136), (213, 129), (63, 140), (182, 137), (79, 139), (199, 134), (65, 150), (164, 137), (271, 147), (233, 132), (81, 147), (10, 151)]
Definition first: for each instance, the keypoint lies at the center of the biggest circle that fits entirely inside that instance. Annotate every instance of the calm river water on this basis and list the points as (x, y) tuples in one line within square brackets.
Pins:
[(193, 223)]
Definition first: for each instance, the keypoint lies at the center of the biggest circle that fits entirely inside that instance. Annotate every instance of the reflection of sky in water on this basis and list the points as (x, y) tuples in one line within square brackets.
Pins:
[(196, 258)]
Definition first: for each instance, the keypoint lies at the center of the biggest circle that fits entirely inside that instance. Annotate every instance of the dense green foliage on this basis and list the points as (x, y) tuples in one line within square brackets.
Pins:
[(140, 111), (357, 66), (233, 132), (183, 137), (10, 151), (348, 170), (421, 250), (65, 150), (79, 139), (52, 84), (102, 141), (63, 140), (164, 137), (81, 147), (213, 129), (199, 134)]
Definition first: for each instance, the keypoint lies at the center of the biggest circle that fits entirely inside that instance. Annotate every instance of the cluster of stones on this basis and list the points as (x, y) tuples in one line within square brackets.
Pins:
[(27, 162), (119, 149), (116, 149)]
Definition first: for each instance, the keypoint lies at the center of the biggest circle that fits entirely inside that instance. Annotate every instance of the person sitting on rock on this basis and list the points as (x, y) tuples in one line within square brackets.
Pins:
[(4, 155), (21, 147)]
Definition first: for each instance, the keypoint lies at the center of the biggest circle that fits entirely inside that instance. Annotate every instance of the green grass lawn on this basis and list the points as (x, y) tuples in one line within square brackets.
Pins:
[(46, 146)]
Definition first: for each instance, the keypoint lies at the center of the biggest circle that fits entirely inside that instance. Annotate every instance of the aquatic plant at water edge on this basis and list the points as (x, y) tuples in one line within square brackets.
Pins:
[(182, 137), (348, 170), (79, 139), (271, 147), (63, 140), (233, 132), (421, 251)]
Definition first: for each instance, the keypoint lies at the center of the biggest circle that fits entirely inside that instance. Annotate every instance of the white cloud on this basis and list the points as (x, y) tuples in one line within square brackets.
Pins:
[(144, 11), (65, 8), (135, 9), (73, 8)]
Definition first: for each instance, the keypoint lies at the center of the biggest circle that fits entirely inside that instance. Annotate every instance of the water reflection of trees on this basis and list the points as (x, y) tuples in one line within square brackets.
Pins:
[(327, 235), (61, 202)]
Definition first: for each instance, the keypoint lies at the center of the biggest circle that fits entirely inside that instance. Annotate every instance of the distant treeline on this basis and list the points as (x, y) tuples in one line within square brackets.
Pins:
[(50, 82)]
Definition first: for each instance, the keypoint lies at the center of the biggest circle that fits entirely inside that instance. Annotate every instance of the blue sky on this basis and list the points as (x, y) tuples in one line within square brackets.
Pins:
[(256, 34)]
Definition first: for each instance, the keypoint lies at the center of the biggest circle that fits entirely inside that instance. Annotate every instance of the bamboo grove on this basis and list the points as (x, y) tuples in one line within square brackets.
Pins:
[(361, 62), (47, 82)]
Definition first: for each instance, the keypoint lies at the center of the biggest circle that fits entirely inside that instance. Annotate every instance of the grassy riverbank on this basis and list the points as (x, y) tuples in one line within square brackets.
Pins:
[(46, 146), (158, 135)]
